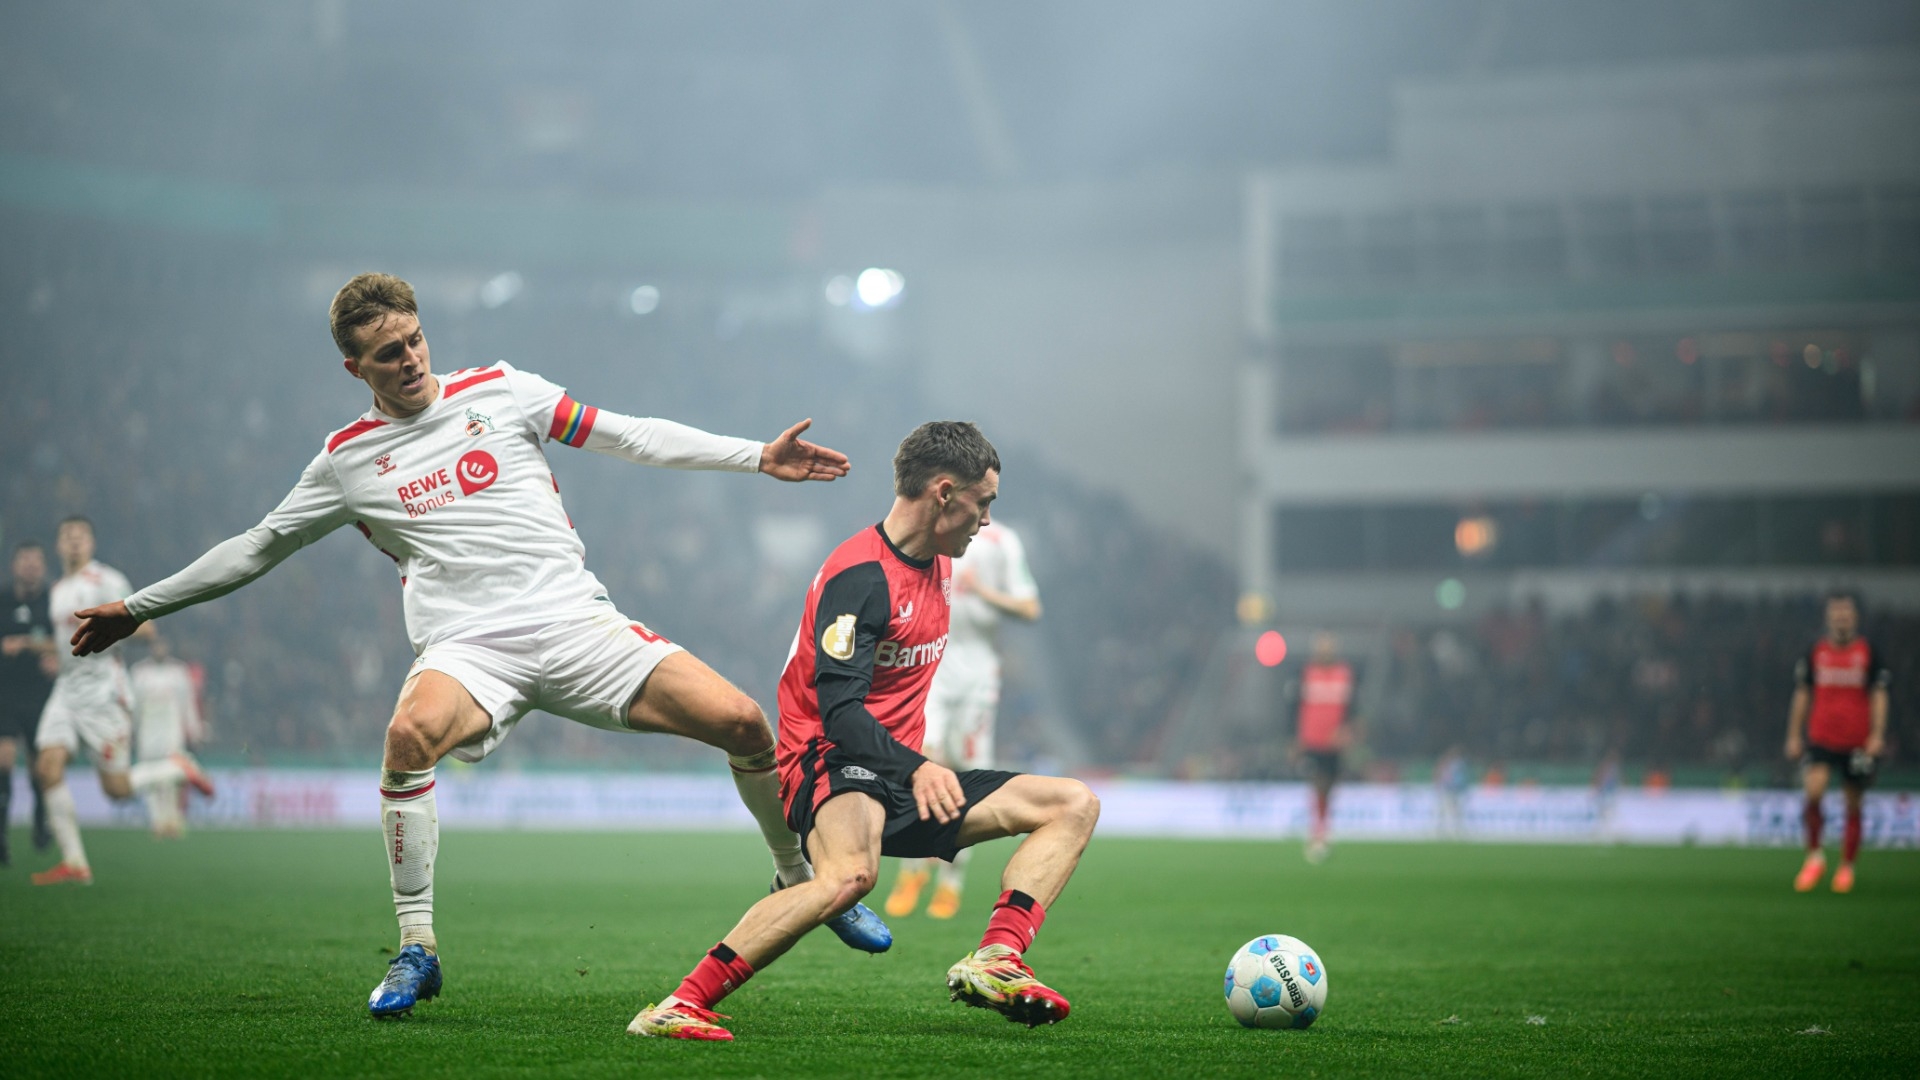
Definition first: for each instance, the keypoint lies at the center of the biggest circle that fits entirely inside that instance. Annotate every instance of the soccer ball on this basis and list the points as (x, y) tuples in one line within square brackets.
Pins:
[(1276, 981)]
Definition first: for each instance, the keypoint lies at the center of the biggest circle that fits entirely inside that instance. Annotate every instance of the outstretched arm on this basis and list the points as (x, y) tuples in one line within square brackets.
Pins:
[(231, 564), (793, 459), (647, 440), (312, 509)]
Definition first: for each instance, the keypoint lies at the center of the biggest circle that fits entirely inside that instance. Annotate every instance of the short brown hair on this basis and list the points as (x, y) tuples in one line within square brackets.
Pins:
[(953, 447), (367, 298)]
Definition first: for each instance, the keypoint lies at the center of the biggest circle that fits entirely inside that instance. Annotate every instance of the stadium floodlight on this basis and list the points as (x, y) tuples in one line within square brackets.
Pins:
[(877, 287), (1476, 536), (644, 300), (501, 288), (1270, 649), (839, 290)]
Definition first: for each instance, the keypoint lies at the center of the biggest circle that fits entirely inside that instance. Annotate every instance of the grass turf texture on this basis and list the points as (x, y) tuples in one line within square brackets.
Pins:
[(251, 954)]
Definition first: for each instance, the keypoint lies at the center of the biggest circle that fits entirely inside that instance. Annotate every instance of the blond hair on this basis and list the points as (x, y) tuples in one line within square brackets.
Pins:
[(366, 299)]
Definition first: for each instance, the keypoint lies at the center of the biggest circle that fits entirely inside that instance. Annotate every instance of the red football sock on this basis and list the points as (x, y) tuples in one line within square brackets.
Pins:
[(1813, 820), (1016, 919), (1850, 846), (718, 974)]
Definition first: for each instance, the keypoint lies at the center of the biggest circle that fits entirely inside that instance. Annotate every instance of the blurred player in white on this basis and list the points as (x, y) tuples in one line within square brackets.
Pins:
[(991, 581), (166, 708), (448, 477), (90, 706)]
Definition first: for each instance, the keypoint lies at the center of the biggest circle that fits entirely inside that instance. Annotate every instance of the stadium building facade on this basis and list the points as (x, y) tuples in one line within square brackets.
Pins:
[(1633, 329)]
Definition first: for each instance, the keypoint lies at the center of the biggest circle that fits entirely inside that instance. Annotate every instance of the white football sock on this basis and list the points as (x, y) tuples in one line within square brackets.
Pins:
[(64, 820), (412, 823), (156, 775), (163, 809), (914, 866), (955, 872), (759, 786)]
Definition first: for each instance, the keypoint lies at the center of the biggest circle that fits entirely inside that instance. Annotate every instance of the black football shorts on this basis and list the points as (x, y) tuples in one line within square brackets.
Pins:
[(905, 836)]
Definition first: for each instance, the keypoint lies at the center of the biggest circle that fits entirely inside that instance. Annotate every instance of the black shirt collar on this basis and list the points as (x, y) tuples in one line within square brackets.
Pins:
[(917, 564)]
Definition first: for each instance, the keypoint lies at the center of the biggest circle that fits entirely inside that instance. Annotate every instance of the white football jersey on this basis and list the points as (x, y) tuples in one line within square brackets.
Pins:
[(461, 498), (166, 709), (998, 560), (91, 586)]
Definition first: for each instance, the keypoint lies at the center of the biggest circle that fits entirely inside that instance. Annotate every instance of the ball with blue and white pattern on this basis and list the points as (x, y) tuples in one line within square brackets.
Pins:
[(1276, 981)]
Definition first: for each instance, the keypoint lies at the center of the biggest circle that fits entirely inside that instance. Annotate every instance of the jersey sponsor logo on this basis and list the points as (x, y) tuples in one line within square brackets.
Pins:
[(837, 642), (899, 654), (429, 492), (855, 772), (383, 464), (1853, 675), (477, 471)]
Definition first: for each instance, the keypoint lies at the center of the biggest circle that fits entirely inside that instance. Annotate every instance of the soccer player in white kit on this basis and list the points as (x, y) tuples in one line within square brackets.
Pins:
[(90, 706), (447, 476), (166, 717), (991, 580)]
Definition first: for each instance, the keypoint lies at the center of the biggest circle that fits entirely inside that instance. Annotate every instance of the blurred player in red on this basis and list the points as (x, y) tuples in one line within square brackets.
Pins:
[(1838, 722), (1326, 697), (852, 719)]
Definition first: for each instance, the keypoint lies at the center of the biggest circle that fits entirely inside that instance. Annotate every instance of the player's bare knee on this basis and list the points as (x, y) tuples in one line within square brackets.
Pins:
[(1081, 806), (413, 737), (116, 785), (743, 728)]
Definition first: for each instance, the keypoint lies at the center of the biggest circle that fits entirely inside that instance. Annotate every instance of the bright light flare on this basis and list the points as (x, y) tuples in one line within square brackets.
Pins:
[(1270, 648), (878, 287)]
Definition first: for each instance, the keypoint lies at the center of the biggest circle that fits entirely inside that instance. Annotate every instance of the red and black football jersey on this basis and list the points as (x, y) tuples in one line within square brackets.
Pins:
[(1842, 679), (872, 634)]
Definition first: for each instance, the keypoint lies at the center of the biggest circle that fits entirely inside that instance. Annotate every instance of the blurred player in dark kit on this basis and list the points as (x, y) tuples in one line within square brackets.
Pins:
[(1326, 697), (1837, 723), (26, 678)]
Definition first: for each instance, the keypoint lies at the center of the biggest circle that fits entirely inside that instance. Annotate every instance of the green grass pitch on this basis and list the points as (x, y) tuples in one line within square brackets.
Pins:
[(251, 954)]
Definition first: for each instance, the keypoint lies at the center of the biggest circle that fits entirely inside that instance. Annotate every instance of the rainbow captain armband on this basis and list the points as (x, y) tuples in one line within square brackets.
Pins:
[(572, 422)]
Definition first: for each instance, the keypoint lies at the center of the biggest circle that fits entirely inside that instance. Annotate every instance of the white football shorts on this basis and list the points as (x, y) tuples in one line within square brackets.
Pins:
[(97, 715), (586, 666), (960, 710)]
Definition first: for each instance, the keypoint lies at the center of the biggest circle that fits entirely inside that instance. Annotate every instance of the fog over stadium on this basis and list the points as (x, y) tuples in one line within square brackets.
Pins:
[(1070, 195), (1546, 369)]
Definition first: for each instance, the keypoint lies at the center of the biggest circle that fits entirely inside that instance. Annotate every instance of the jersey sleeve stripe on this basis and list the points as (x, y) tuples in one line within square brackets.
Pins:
[(353, 430), (488, 375), (572, 422)]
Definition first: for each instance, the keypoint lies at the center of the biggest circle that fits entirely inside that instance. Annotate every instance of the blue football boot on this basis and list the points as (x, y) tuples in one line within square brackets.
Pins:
[(412, 976), (858, 926)]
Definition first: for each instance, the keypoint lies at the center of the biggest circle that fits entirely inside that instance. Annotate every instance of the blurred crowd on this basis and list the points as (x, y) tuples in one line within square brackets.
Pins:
[(175, 420), (1665, 681)]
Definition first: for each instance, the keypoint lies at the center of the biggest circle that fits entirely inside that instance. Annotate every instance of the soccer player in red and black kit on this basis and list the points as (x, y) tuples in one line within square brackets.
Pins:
[(1838, 722), (1326, 693), (852, 715)]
